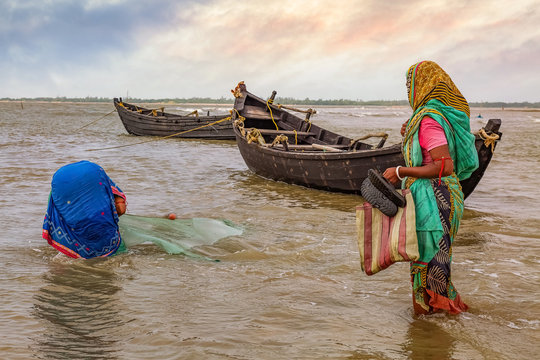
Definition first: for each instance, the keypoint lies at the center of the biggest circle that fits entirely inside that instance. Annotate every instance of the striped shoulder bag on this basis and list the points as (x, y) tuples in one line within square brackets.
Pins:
[(384, 240)]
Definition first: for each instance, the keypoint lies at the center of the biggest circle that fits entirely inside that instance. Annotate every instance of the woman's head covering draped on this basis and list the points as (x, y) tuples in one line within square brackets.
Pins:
[(81, 219), (428, 81), (432, 93)]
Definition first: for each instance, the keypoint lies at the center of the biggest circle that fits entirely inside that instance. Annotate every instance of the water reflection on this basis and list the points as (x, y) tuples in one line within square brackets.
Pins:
[(79, 305), (426, 340), (255, 188)]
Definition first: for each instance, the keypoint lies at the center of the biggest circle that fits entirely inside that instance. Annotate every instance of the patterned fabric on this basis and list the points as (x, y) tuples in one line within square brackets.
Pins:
[(456, 125), (432, 93), (384, 240), (427, 81), (81, 219), (432, 283)]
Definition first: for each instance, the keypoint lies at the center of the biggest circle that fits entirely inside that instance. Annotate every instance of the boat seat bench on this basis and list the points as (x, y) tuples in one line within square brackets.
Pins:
[(286, 132)]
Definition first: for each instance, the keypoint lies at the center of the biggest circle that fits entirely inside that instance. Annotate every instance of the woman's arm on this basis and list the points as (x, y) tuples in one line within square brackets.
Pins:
[(120, 205), (429, 171)]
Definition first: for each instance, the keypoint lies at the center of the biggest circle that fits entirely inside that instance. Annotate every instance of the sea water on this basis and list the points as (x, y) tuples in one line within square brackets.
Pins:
[(289, 287)]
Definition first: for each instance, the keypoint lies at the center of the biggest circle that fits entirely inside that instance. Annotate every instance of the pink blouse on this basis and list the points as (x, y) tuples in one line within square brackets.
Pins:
[(430, 135)]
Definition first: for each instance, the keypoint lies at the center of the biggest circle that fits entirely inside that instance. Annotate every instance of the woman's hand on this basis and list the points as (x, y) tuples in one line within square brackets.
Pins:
[(120, 204), (390, 175), (404, 127)]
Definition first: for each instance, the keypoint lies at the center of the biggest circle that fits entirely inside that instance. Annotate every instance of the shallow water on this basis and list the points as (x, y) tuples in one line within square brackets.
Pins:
[(289, 287)]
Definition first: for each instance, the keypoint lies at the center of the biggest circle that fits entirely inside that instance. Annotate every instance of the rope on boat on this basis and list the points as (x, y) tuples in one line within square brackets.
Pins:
[(254, 135), (82, 127), (140, 111), (280, 106), (237, 92), (280, 139), (165, 137), (489, 140), (239, 123), (268, 102), (309, 125), (308, 111)]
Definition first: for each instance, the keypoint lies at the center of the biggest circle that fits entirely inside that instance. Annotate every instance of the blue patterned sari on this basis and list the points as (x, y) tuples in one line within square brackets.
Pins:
[(81, 219)]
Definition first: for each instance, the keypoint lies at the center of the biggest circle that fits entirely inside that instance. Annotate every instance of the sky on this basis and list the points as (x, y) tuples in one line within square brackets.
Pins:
[(317, 49)]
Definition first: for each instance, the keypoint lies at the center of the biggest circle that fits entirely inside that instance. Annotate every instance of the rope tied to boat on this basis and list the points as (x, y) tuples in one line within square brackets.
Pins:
[(254, 135), (268, 102), (154, 111), (308, 112), (489, 139), (237, 92), (228, 118), (309, 124), (107, 114), (239, 123), (280, 139), (194, 112)]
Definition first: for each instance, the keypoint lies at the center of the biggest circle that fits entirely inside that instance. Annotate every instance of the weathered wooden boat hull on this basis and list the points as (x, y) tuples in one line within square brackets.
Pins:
[(142, 122), (342, 171)]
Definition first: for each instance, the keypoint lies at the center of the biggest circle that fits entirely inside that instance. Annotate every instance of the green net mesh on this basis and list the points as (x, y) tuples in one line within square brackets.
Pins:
[(174, 236)]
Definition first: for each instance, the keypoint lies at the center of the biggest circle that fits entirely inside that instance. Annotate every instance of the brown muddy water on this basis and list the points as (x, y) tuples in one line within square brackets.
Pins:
[(290, 287)]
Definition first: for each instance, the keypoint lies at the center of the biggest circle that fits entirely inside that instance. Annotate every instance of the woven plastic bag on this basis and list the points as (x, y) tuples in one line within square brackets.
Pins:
[(384, 240)]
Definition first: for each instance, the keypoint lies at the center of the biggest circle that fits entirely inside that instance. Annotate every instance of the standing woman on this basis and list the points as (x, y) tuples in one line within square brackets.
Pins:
[(439, 151)]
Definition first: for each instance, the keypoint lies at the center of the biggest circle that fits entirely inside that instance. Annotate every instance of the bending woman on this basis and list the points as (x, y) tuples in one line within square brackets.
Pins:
[(83, 210), (439, 151)]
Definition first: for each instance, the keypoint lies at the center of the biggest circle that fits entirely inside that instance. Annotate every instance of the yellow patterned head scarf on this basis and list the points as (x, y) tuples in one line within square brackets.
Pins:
[(427, 81)]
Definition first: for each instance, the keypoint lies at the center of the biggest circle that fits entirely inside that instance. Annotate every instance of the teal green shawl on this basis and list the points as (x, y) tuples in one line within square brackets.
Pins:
[(462, 149)]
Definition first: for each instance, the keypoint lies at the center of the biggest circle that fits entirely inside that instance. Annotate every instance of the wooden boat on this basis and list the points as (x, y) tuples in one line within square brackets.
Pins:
[(155, 122), (278, 145)]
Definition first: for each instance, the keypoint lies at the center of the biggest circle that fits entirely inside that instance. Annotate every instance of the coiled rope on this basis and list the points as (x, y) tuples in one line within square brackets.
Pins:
[(280, 139), (165, 137), (489, 140), (254, 135)]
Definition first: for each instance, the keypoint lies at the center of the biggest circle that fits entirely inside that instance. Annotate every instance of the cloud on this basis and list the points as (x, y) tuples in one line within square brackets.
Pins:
[(359, 49)]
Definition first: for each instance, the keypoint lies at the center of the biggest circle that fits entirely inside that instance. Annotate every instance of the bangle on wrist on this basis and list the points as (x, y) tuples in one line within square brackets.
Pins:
[(397, 173)]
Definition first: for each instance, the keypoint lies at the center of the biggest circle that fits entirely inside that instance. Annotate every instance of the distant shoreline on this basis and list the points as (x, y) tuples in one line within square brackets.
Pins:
[(526, 106)]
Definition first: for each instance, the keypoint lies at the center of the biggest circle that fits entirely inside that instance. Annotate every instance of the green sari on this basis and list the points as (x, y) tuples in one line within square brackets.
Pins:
[(439, 204)]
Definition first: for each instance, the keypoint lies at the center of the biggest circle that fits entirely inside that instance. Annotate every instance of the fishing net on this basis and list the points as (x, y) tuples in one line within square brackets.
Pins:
[(175, 236)]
